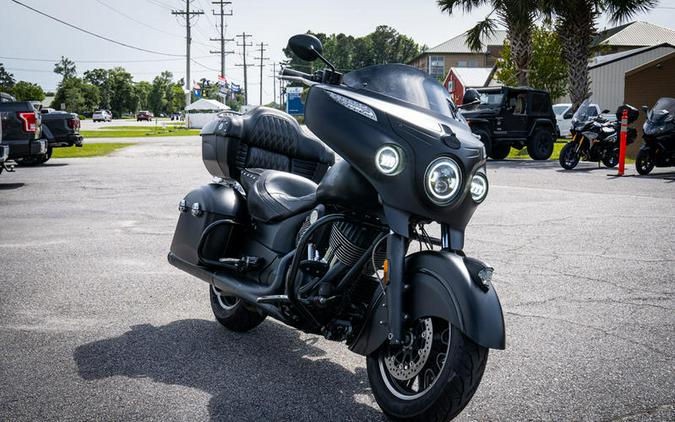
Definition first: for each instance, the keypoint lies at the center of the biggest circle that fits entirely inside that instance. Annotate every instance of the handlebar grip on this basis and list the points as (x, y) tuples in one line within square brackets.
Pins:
[(290, 72)]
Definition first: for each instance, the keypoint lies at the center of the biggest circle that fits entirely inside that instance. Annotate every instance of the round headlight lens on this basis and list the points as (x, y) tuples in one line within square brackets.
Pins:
[(479, 188), (388, 160), (442, 180)]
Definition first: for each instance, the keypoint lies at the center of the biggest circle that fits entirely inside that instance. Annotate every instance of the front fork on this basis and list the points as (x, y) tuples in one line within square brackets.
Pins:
[(397, 288)]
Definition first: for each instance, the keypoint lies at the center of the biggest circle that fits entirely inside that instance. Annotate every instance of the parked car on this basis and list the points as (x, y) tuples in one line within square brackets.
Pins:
[(102, 116), (61, 129), (144, 115), (22, 131), (506, 117)]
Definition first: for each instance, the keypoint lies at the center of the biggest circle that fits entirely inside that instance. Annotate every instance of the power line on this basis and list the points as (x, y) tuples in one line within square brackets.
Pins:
[(136, 20), (26, 59), (93, 34), (160, 4)]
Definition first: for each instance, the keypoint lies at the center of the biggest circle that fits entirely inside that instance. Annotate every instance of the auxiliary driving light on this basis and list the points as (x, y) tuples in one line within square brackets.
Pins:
[(442, 180), (479, 188), (388, 160)]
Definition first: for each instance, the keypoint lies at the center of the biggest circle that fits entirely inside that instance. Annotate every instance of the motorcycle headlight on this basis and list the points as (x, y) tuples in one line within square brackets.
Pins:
[(479, 187), (388, 160), (442, 180)]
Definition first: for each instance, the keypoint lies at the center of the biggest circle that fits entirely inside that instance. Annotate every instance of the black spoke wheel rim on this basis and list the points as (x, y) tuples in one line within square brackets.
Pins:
[(410, 371)]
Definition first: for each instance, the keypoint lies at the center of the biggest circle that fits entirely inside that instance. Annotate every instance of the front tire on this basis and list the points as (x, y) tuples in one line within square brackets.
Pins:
[(611, 159), (644, 163), (231, 313), (432, 378), (500, 151), (540, 145), (568, 156)]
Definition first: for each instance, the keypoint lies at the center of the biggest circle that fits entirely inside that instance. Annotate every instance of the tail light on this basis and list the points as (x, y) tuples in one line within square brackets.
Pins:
[(29, 120), (74, 123)]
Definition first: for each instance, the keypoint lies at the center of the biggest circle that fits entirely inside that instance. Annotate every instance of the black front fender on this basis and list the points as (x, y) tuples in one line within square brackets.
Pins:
[(441, 286)]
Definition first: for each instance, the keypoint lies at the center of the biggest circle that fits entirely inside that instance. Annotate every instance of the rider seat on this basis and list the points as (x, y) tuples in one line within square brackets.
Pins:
[(277, 195)]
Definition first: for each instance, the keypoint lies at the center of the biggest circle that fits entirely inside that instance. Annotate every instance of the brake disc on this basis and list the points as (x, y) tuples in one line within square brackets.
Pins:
[(408, 361)]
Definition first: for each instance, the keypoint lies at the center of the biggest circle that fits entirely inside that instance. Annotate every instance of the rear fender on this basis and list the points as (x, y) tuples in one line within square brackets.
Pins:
[(441, 286)]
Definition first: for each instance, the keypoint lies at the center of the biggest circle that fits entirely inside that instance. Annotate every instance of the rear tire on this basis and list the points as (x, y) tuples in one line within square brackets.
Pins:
[(568, 156), (540, 145), (644, 163), (441, 394), (500, 151), (231, 313)]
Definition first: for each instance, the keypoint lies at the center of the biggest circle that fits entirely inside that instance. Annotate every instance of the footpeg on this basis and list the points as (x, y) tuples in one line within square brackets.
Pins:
[(272, 299)]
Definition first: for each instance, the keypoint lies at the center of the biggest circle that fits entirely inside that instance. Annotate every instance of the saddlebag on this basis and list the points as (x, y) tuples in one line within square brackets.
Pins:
[(209, 226), (263, 138)]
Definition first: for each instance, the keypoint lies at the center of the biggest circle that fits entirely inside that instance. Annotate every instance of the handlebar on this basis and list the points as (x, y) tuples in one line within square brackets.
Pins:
[(296, 73)]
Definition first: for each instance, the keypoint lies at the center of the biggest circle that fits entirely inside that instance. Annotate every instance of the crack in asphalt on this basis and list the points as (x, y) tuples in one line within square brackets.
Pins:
[(644, 412)]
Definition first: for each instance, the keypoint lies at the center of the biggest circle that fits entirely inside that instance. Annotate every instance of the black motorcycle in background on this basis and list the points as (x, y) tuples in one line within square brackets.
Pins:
[(286, 232), (658, 147), (594, 138)]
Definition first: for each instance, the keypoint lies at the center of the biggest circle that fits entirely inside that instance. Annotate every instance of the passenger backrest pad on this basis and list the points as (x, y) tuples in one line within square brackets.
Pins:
[(263, 138)]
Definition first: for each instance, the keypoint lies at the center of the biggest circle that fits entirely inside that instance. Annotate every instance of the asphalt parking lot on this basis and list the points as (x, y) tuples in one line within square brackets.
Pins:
[(96, 325)]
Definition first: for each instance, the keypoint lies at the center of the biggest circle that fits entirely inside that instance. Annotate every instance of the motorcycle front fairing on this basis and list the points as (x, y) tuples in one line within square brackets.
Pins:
[(423, 128), (356, 121)]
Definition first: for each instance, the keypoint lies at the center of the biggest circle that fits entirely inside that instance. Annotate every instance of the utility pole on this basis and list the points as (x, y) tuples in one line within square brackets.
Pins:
[(187, 15), (223, 30), (274, 82), (244, 44), (262, 58)]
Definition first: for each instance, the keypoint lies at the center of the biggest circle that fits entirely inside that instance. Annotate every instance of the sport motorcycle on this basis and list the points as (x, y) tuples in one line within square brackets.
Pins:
[(658, 148), (286, 231)]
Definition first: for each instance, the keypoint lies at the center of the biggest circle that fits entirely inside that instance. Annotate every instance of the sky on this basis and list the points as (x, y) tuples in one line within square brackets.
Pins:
[(148, 24)]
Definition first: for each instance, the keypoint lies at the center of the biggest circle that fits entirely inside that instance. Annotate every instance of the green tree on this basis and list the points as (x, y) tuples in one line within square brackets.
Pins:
[(384, 45), (28, 91), (548, 70), (6, 80), (77, 95), (576, 26), (123, 98), (66, 68), (161, 93), (99, 78), (177, 102), (143, 89), (517, 16)]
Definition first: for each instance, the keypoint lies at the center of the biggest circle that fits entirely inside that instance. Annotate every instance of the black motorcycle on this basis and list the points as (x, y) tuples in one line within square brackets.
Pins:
[(595, 138), (658, 149), (332, 258)]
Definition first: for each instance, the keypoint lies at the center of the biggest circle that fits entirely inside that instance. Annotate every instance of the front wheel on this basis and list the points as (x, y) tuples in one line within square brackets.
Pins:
[(569, 158), (500, 151), (432, 377), (231, 313), (611, 158), (644, 163)]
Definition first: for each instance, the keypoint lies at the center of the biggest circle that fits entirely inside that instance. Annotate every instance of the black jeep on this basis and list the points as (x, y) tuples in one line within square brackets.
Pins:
[(506, 117)]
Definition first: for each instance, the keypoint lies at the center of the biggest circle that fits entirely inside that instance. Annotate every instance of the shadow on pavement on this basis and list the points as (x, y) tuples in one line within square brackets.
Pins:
[(10, 186), (526, 164), (267, 374), (46, 165)]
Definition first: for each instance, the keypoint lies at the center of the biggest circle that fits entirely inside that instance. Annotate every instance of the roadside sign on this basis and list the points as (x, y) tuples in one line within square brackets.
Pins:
[(294, 105)]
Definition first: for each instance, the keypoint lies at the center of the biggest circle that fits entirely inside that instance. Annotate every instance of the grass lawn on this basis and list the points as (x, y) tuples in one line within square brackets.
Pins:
[(138, 132), (559, 144), (89, 150)]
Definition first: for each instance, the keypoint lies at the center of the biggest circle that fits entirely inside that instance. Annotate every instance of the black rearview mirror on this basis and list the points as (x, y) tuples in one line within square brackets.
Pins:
[(605, 111), (306, 46)]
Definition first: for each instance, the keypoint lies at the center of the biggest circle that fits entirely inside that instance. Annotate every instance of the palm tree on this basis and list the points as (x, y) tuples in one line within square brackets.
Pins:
[(516, 15), (575, 25)]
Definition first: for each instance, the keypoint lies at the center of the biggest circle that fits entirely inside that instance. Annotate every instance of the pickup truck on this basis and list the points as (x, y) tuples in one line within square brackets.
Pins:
[(21, 131), (61, 129), (4, 156)]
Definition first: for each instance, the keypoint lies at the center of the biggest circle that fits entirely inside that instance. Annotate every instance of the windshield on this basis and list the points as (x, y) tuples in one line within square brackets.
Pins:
[(559, 109), (404, 83), (585, 112), (663, 108), (491, 99)]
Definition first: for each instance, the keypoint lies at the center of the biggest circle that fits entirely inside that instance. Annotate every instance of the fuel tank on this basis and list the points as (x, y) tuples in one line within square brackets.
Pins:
[(344, 186)]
